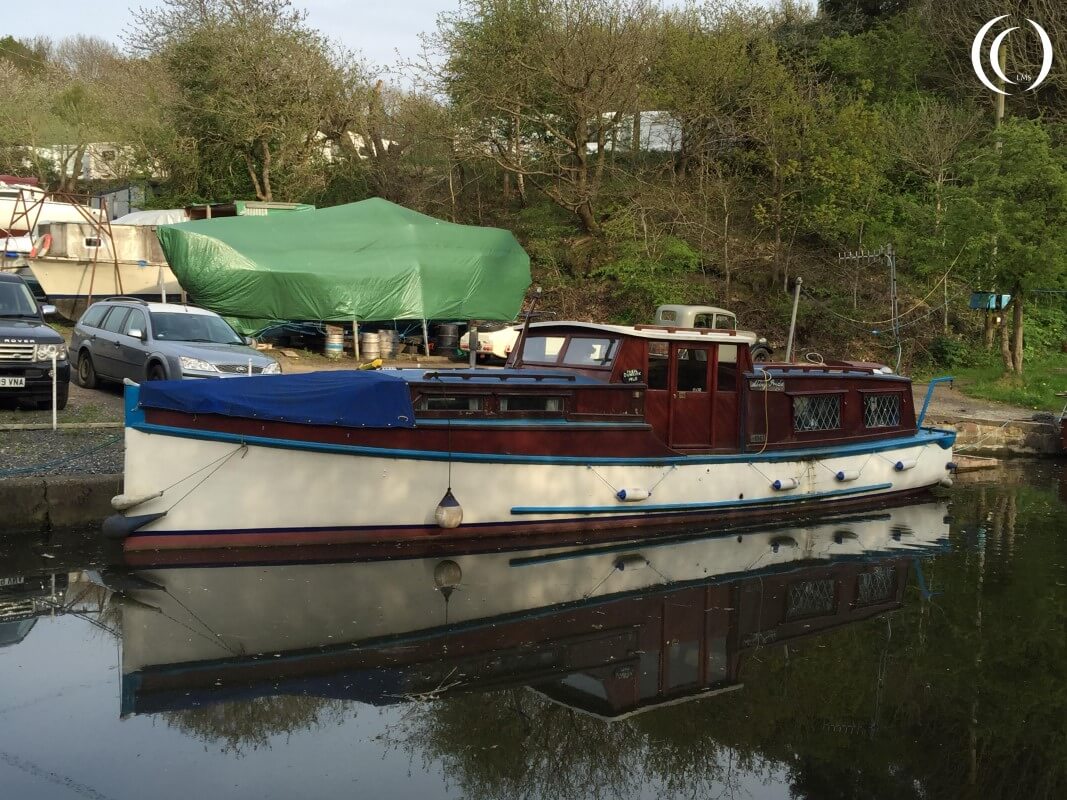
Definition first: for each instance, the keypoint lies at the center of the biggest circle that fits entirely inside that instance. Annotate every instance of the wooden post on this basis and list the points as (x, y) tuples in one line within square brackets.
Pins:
[(472, 343), (355, 338), (425, 337)]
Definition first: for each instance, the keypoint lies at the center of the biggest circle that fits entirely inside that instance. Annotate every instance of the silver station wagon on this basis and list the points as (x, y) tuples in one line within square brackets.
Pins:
[(129, 338)]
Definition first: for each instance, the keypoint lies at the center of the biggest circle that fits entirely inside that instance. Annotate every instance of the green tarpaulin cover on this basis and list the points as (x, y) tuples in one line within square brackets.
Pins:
[(371, 260)]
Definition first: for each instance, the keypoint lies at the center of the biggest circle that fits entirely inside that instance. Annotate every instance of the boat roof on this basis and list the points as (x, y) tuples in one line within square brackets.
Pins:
[(697, 308), (659, 332), (497, 376)]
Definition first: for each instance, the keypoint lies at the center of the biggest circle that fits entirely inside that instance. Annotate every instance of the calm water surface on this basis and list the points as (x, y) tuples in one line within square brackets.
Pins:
[(917, 651)]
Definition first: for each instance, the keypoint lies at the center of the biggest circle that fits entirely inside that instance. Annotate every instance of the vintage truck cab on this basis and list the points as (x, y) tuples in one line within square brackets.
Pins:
[(27, 345), (709, 317)]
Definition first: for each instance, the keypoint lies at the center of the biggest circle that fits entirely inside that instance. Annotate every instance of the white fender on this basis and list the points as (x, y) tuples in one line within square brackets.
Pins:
[(122, 502)]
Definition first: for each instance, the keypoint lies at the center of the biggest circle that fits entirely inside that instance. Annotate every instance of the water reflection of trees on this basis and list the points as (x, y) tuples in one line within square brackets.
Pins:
[(514, 743), (963, 694), (241, 725)]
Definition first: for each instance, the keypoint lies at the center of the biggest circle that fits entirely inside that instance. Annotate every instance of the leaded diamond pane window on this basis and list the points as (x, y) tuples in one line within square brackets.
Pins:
[(810, 598), (816, 412), (877, 585), (881, 410)]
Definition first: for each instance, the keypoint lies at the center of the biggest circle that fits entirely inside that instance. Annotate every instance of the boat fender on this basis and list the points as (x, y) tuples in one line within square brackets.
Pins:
[(118, 527), (846, 475), (632, 495), (946, 482), (782, 484), (122, 502), (631, 561), (449, 513), (41, 246), (900, 466), (778, 542)]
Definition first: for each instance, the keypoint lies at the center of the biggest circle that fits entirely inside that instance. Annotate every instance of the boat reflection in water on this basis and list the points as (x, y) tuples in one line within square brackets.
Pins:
[(608, 630)]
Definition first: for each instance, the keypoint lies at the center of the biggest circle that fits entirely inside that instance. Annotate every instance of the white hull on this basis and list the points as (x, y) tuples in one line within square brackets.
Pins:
[(65, 279), (211, 486), (264, 609)]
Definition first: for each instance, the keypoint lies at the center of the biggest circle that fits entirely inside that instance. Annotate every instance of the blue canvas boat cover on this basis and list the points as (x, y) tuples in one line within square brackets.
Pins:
[(349, 399)]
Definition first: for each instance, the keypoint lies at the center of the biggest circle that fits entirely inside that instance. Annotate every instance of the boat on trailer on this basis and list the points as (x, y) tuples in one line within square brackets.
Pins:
[(589, 428)]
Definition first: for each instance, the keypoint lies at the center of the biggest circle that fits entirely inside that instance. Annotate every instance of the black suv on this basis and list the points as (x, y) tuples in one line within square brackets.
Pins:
[(27, 345)]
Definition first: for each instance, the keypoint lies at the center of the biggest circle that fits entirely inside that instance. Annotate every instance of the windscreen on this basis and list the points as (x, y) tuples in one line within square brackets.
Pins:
[(16, 300), (170, 326)]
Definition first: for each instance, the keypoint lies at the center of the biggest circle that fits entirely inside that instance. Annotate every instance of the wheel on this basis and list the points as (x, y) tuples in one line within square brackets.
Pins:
[(86, 372), (156, 372), (62, 393), (761, 354)]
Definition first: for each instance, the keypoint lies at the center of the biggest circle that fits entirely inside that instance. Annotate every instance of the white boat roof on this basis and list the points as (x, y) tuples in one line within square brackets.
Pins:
[(660, 332), (163, 216)]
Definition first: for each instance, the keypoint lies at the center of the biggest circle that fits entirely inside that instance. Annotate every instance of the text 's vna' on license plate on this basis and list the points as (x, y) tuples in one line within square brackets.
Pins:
[(7, 382)]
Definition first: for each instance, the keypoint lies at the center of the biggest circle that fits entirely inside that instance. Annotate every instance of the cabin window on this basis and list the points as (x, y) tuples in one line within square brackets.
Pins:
[(703, 321), (683, 663), (437, 402), (811, 598), (692, 370), (668, 316), (725, 322), (542, 349), (816, 412), (590, 352), (727, 369), (881, 410), (876, 586), (530, 402), (658, 365)]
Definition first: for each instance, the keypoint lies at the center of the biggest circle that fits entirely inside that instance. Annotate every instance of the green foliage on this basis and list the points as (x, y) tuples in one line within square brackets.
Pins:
[(1017, 188), (645, 272), (27, 58), (891, 60), (949, 352)]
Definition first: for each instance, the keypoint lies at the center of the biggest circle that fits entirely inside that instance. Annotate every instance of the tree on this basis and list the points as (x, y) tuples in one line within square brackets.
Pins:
[(254, 87), (1018, 187), (545, 84)]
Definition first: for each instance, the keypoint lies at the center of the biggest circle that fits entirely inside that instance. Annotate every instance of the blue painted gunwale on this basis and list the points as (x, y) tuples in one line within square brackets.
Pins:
[(135, 419), (772, 500)]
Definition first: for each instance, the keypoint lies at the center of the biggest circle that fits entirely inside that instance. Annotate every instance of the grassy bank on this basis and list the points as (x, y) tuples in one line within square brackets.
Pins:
[(1044, 376)]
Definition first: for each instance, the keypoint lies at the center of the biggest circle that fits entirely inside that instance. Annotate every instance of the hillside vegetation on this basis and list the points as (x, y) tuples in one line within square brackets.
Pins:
[(642, 154)]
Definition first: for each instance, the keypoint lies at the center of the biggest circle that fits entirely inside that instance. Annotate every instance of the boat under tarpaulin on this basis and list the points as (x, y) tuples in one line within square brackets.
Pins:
[(371, 260)]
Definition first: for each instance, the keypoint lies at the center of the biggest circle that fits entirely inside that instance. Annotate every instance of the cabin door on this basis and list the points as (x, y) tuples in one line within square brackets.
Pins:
[(690, 394)]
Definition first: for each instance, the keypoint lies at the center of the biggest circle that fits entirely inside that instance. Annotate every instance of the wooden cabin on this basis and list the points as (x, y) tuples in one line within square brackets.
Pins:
[(663, 390)]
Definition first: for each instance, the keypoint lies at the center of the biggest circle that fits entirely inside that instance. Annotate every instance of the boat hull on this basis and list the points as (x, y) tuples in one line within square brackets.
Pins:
[(70, 284), (219, 490)]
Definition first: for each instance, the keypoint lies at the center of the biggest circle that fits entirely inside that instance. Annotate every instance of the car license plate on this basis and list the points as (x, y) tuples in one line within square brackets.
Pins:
[(17, 581), (12, 383)]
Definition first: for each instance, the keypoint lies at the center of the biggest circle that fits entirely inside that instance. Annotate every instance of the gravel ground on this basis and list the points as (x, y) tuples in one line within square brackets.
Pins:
[(21, 449)]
